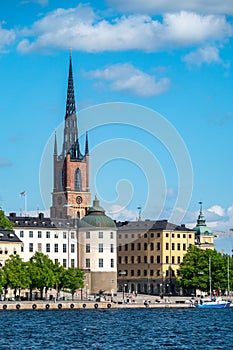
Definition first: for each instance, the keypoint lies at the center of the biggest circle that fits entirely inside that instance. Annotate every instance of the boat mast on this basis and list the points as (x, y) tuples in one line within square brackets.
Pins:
[(228, 277), (210, 276)]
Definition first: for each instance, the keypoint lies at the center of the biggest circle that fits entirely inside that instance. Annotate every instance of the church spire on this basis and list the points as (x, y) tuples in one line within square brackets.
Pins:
[(55, 144), (70, 129), (201, 218), (87, 146), (70, 101)]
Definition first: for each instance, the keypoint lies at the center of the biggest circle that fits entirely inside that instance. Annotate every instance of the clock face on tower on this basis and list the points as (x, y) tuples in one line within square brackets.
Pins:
[(79, 199)]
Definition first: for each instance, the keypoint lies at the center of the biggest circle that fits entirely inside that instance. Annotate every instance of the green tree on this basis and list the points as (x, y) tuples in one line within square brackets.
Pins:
[(4, 222), (15, 274), (42, 275), (72, 279)]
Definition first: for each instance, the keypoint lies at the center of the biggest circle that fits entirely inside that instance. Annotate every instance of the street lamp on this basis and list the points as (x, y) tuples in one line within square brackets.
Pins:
[(123, 273)]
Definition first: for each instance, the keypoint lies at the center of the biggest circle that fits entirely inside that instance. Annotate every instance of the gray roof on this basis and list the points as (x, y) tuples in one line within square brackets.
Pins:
[(8, 236), (150, 225)]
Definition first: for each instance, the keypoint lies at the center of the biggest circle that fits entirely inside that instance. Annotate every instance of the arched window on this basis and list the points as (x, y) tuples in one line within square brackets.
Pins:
[(77, 180)]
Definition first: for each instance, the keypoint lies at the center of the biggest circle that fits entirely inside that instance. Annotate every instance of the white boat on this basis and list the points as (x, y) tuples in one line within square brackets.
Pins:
[(216, 303)]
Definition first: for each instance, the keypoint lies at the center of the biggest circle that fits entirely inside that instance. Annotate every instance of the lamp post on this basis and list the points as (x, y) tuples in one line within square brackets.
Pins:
[(123, 273)]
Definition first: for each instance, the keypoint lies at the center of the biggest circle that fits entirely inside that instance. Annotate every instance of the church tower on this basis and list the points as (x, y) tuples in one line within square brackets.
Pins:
[(71, 189)]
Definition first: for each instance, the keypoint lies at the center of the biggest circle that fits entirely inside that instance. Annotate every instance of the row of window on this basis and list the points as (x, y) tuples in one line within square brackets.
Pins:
[(32, 234), (5, 251), (48, 248), (151, 246), (101, 263), (153, 235), (64, 262), (100, 235), (139, 259), (100, 248), (148, 273)]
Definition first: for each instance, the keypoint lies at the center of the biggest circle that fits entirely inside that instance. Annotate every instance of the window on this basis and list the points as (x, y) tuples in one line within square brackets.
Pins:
[(88, 248), (145, 246), (21, 234), (64, 263), (119, 259), (190, 236), (158, 234), (167, 235), (126, 235), (30, 234), (39, 247), (145, 272), (112, 248), (101, 262), (56, 261), (72, 248), (47, 234), (178, 235), (101, 248), (184, 235), (167, 246), (132, 236), (119, 236), (126, 259), (77, 180), (178, 246), (173, 246), (22, 248), (72, 235), (55, 248), (132, 272), (184, 246), (173, 260), (152, 246), (64, 235), (158, 273), (178, 260), (47, 247), (145, 259), (64, 248), (152, 235), (126, 247), (30, 247), (88, 235), (158, 245), (151, 272), (152, 259), (158, 259), (88, 263), (101, 235), (139, 272), (111, 235), (112, 262), (132, 259), (139, 246), (145, 235), (72, 262), (139, 259), (167, 259), (167, 273), (132, 246), (119, 248)]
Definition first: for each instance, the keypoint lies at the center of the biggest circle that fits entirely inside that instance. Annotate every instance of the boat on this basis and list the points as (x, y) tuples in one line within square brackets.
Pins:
[(215, 303)]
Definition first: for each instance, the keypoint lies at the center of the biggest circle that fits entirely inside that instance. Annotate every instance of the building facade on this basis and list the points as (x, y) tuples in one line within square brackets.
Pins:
[(149, 255), (10, 244), (71, 189), (98, 250)]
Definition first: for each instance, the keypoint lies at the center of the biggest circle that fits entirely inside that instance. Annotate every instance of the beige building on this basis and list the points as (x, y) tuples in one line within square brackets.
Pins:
[(10, 244), (149, 255), (97, 250)]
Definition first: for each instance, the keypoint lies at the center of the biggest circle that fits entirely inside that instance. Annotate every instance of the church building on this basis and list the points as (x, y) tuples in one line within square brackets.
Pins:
[(71, 188)]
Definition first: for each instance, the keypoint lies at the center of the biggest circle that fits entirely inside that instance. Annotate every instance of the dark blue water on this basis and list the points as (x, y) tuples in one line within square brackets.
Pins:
[(117, 329)]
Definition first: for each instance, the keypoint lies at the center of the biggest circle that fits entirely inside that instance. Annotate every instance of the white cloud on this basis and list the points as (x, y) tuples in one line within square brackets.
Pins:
[(206, 55), (119, 213), (125, 77), (7, 37), (81, 29), (158, 6), (217, 209)]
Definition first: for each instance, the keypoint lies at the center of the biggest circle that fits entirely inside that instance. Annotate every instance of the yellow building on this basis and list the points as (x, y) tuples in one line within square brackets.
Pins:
[(149, 255), (10, 244)]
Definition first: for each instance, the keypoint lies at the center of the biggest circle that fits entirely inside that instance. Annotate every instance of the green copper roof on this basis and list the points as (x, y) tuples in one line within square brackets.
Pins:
[(96, 216), (201, 228)]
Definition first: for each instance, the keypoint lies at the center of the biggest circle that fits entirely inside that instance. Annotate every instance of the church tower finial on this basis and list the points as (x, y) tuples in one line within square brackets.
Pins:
[(70, 100), (55, 144), (87, 146)]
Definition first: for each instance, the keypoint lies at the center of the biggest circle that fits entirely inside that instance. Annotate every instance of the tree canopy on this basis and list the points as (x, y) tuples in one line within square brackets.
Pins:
[(4, 222), (199, 265)]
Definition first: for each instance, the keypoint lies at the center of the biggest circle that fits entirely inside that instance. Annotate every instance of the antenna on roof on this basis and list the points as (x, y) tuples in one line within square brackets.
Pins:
[(139, 213)]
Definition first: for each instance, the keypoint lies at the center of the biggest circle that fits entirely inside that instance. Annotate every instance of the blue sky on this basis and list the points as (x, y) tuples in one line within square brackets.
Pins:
[(169, 57)]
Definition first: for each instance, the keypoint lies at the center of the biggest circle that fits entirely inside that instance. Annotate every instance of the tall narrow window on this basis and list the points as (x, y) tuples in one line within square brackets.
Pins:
[(77, 180)]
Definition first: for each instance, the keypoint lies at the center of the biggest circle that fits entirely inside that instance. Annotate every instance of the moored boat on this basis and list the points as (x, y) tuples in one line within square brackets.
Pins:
[(217, 303)]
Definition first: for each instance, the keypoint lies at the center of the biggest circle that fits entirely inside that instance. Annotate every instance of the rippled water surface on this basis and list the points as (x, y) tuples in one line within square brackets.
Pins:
[(117, 329)]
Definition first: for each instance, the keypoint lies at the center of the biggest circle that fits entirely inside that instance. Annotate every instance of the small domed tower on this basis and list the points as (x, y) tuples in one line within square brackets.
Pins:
[(204, 237)]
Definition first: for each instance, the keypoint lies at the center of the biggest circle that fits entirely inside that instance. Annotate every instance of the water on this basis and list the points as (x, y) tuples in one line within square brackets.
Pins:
[(190, 329)]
